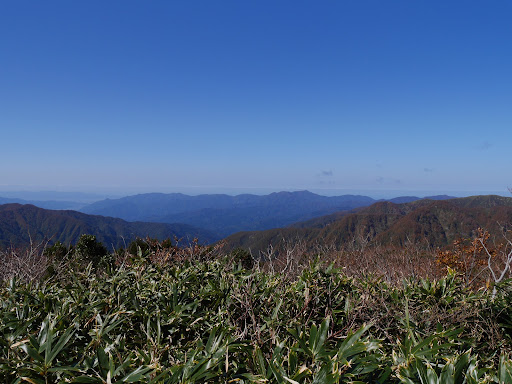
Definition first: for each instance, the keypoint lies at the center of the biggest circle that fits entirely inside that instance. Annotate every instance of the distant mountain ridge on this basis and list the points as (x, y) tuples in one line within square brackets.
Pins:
[(47, 204), (47, 195), (225, 214), (19, 224), (429, 222)]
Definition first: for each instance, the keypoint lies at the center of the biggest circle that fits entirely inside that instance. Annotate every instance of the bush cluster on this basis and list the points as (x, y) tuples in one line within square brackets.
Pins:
[(191, 315)]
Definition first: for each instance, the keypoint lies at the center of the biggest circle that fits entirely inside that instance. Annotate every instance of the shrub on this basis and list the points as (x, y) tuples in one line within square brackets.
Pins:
[(89, 250)]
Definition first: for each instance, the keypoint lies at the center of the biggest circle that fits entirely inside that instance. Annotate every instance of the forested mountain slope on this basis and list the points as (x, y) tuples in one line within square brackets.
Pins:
[(20, 224), (428, 222)]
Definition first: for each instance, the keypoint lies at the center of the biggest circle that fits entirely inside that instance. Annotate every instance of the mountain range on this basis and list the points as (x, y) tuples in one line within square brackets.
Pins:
[(224, 214), (253, 221)]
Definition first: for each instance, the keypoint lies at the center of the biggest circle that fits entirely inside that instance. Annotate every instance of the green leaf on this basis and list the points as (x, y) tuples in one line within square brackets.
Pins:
[(32, 352), (260, 362), (87, 379), (33, 380), (136, 376), (317, 347), (63, 340), (64, 368), (505, 369), (350, 347)]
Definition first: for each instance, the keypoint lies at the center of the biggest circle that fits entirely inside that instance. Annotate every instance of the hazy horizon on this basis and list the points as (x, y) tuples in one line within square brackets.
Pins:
[(379, 98)]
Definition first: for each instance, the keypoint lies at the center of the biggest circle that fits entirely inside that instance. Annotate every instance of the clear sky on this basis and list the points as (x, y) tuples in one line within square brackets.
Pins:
[(237, 96)]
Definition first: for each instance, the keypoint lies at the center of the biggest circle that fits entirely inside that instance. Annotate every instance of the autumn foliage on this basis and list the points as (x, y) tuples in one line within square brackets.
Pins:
[(475, 258)]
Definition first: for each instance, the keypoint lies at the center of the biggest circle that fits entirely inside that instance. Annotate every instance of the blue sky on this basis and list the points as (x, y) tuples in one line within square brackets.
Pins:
[(372, 97)]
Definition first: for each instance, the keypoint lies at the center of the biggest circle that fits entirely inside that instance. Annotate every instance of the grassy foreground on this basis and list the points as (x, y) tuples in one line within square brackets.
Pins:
[(203, 319)]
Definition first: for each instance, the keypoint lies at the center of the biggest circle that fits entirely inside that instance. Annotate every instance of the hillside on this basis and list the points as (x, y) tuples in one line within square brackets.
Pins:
[(21, 223), (428, 222)]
